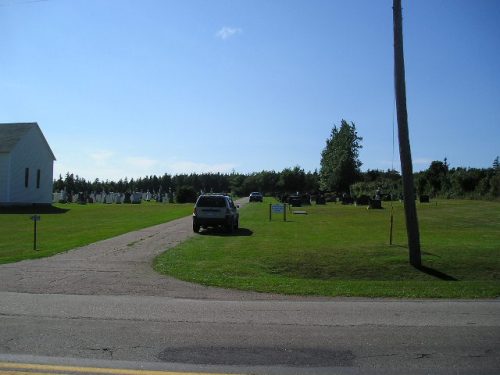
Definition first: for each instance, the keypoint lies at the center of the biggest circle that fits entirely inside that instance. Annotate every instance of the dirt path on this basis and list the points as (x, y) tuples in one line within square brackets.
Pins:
[(117, 266)]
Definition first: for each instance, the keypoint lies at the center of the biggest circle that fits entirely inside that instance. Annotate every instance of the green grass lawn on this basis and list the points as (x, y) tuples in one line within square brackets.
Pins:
[(340, 250), (66, 226)]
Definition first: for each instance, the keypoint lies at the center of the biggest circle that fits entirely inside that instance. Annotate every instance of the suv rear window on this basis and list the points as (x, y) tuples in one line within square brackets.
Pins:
[(211, 202)]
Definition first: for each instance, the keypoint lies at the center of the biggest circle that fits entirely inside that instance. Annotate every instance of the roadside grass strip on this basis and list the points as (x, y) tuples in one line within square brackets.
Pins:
[(343, 250), (64, 227)]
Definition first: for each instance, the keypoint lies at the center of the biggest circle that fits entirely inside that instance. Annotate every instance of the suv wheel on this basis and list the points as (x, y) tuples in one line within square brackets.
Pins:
[(196, 226)]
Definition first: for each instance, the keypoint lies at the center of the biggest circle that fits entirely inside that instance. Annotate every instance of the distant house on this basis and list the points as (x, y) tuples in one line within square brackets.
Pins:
[(26, 165)]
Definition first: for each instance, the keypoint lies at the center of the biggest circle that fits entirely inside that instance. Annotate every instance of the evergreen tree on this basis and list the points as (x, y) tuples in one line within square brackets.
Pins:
[(292, 180), (59, 184), (340, 164), (436, 175), (496, 165)]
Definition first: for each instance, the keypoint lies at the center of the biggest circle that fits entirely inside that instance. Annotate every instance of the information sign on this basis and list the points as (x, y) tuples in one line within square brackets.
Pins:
[(277, 208)]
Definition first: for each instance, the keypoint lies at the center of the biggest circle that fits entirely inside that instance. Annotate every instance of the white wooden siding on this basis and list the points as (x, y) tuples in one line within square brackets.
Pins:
[(31, 152)]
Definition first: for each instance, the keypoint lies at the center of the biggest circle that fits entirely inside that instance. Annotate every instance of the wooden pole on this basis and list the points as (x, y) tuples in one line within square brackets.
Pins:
[(392, 224), (34, 235), (404, 140)]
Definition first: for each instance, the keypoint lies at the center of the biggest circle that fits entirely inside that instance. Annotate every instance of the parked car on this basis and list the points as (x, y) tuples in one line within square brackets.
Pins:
[(295, 201), (215, 210), (255, 197)]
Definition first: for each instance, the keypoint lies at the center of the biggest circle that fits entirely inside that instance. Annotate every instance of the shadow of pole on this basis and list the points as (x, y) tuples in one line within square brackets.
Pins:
[(437, 274)]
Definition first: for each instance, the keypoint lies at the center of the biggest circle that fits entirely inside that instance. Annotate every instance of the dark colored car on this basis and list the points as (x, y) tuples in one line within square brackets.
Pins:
[(255, 197)]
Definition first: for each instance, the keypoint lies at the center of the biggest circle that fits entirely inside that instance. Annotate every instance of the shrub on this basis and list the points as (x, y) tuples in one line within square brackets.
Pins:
[(186, 194)]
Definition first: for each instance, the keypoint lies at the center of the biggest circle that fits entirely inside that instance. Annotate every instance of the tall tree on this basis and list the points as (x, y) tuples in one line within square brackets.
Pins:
[(340, 159), (292, 180), (436, 175), (496, 165), (404, 139)]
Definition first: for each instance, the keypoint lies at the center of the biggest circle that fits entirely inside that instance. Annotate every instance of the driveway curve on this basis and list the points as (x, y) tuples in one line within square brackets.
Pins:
[(120, 265)]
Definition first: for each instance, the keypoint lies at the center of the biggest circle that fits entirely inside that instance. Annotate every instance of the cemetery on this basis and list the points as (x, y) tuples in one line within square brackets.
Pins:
[(308, 253), (111, 198), (335, 247), (344, 250)]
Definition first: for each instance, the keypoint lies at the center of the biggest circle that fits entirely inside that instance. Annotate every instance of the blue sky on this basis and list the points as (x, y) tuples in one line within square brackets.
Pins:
[(140, 87)]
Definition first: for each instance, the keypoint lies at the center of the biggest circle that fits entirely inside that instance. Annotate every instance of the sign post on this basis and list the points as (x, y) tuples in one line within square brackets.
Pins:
[(35, 218), (277, 209)]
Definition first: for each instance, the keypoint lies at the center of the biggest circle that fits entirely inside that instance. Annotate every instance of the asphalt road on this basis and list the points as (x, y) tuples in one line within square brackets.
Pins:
[(103, 305), (383, 335)]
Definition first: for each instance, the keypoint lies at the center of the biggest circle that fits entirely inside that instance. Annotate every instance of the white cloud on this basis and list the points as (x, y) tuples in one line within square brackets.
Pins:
[(422, 161), (101, 155), (228, 32), (185, 166), (141, 162), (107, 164)]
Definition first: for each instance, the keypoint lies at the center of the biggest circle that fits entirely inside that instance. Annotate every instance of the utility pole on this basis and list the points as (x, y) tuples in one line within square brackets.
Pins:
[(404, 139)]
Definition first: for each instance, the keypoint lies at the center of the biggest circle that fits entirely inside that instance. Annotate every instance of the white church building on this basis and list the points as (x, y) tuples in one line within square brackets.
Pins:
[(26, 165)]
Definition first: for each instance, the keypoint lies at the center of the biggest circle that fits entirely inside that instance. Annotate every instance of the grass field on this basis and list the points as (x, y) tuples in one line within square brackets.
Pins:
[(67, 226), (340, 250)]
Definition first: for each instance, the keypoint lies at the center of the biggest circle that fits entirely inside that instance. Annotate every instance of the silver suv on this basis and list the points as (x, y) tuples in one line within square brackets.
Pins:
[(215, 210)]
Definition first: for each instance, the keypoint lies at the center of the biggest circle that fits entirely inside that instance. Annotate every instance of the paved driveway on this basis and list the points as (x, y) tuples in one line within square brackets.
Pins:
[(117, 266), (104, 301)]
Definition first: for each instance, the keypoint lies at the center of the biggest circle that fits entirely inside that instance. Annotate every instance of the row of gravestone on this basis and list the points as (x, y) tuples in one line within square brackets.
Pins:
[(364, 200), (109, 198)]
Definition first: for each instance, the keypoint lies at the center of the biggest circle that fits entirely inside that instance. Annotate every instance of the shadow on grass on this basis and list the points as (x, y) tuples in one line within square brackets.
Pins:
[(431, 254), (240, 232), (437, 274), (33, 209), (423, 252)]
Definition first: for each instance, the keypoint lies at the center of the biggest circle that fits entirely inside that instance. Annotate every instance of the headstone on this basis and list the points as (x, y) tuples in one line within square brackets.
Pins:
[(346, 199), (61, 197), (136, 198), (126, 198), (376, 204), (320, 199), (81, 198), (295, 201), (424, 199), (363, 200)]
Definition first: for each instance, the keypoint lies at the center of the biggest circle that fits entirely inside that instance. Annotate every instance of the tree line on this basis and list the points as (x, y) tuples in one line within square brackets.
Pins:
[(340, 174), (438, 181), (187, 186)]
